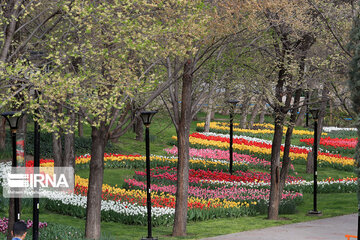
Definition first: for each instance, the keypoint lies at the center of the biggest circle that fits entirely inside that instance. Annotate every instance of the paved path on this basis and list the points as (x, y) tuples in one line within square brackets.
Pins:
[(328, 228)]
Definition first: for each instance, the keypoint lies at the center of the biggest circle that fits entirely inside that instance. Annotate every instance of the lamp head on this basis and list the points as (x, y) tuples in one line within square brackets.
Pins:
[(146, 117), (12, 120), (233, 102), (315, 113)]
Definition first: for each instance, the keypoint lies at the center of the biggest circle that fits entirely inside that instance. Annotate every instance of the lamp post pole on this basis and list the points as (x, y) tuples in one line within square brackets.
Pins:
[(315, 114), (36, 165), (233, 104), (14, 164), (13, 122), (146, 118)]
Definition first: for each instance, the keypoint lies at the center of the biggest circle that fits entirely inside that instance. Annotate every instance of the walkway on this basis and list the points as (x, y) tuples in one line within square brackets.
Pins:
[(328, 228)]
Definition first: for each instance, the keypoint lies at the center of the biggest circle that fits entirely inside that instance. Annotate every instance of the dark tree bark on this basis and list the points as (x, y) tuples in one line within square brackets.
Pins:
[(80, 127), (310, 163), (300, 119), (286, 158), (69, 139), (2, 133), (262, 114), (11, 218), (93, 210), (279, 117), (57, 144), (139, 129), (275, 198), (57, 149), (208, 116), (183, 131), (254, 113), (244, 112)]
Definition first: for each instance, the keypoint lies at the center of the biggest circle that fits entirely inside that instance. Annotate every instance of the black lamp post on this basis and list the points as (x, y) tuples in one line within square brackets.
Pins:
[(13, 122), (36, 165), (146, 118), (315, 114), (233, 104)]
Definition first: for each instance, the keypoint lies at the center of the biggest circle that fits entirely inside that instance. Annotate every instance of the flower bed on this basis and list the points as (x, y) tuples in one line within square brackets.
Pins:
[(164, 181), (217, 154), (137, 161), (338, 145), (263, 150), (223, 127)]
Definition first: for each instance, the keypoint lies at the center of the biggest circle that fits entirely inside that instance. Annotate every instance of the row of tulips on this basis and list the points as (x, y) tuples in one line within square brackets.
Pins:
[(217, 154), (258, 180), (346, 185), (223, 127), (338, 145), (197, 175), (137, 161), (263, 150)]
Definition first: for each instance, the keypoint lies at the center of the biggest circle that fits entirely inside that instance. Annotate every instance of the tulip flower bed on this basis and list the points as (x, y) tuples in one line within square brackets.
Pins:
[(164, 181), (263, 150), (137, 161), (337, 145), (217, 154), (345, 185), (267, 130), (167, 175)]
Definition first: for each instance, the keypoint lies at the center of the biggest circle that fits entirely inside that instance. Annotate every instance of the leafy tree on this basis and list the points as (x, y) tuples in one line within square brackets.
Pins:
[(103, 55), (354, 84)]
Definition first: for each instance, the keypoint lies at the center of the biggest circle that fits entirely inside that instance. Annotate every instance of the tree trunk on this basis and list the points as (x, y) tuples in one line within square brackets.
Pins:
[(2, 133), (262, 114), (254, 113), (244, 112), (181, 207), (275, 198), (69, 139), (208, 116), (331, 113), (286, 158), (310, 163), (57, 149), (80, 127), (212, 115), (93, 210), (139, 129), (300, 119), (225, 110)]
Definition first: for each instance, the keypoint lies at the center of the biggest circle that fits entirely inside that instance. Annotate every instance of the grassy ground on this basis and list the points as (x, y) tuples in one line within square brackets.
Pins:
[(161, 131), (330, 204)]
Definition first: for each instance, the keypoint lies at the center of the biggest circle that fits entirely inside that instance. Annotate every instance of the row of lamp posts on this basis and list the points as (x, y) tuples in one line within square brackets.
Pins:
[(146, 117)]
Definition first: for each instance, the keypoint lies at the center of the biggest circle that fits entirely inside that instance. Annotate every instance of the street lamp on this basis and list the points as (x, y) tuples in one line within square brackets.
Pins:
[(315, 114), (36, 166), (146, 117), (233, 104), (13, 121)]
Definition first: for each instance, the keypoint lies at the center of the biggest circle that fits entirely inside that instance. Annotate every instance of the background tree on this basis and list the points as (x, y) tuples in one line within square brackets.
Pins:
[(354, 84)]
